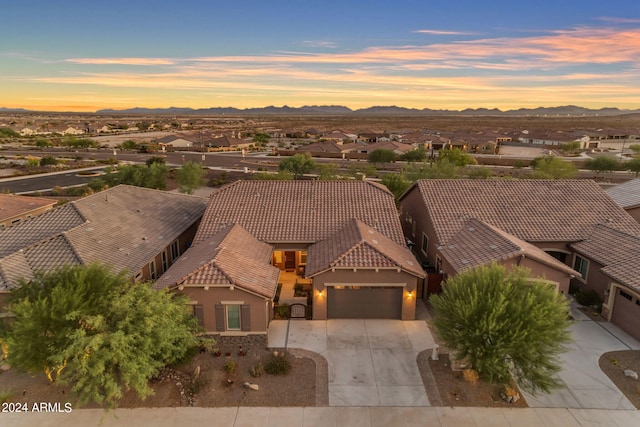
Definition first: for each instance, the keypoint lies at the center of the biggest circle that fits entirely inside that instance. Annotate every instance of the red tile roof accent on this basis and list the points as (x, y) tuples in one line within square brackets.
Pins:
[(478, 243), (357, 245), (230, 257), (300, 211)]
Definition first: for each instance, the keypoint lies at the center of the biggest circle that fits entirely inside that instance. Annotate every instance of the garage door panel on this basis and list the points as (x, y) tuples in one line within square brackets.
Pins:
[(626, 314), (364, 303)]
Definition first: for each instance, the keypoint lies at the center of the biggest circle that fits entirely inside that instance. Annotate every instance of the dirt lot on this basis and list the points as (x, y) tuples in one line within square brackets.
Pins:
[(614, 363)]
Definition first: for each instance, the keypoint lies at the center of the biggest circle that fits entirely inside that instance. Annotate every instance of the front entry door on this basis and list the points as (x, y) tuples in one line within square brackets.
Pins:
[(290, 260)]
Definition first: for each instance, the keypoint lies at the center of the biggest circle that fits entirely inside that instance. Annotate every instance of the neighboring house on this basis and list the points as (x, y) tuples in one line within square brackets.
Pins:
[(398, 148), (609, 261), (342, 238), (176, 141), (226, 142), (627, 196), (15, 209), (481, 221), (323, 147), (141, 230), (72, 131)]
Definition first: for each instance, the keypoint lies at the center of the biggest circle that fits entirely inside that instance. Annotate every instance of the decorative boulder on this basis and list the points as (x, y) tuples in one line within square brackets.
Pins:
[(631, 374)]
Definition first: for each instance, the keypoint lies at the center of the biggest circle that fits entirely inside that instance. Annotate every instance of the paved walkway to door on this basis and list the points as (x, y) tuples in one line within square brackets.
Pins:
[(372, 362)]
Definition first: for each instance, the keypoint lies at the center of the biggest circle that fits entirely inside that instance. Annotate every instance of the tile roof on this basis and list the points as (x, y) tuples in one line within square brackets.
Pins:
[(230, 257), (625, 272), (478, 243), (606, 245), (123, 227), (357, 245), (12, 205), (300, 211), (618, 252), (627, 194), (532, 210), (40, 227)]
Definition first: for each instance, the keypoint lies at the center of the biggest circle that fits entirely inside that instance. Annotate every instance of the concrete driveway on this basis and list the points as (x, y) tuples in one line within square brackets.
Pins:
[(371, 362), (587, 386)]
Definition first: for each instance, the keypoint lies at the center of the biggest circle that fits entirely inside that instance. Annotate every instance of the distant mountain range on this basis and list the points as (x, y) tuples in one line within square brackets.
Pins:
[(567, 110)]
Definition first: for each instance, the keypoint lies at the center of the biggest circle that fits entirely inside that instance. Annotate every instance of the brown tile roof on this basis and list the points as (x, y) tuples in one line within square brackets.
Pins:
[(618, 252), (478, 243), (300, 211), (625, 272), (627, 194), (12, 205), (606, 245), (123, 227), (357, 245), (39, 228), (230, 257), (532, 210)]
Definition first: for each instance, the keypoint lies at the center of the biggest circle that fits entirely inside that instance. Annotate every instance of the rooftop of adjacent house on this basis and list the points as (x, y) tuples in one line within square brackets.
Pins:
[(300, 211), (230, 257), (356, 245), (478, 243), (625, 271), (12, 205), (606, 245), (123, 227), (531, 210), (627, 194)]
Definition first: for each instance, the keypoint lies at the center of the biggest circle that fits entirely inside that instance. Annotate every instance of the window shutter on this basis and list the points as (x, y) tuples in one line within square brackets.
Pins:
[(199, 313), (220, 324), (245, 317)]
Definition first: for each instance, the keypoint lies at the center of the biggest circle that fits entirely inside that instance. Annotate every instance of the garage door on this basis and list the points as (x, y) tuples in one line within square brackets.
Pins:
[(626, 313), (364, 302)]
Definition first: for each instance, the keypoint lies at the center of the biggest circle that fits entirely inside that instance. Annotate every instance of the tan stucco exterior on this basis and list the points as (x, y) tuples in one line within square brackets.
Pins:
[(209, 297), (385, 277)]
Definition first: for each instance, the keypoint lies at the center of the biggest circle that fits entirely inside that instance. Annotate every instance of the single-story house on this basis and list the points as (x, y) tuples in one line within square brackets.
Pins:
[(343, 239), (15, 209), (556, 228), (138, 229)]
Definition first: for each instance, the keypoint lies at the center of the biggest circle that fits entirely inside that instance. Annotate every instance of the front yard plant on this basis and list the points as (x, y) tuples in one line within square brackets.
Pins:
[(505, 325)]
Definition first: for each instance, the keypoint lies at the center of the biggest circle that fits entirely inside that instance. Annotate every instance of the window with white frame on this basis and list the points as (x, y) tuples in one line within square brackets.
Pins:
[(175, 251), (233, 317), (152, 270), (424, 247), (581, 265)]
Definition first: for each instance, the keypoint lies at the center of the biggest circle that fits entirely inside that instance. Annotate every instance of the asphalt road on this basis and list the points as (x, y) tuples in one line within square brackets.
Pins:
[(222, 161)]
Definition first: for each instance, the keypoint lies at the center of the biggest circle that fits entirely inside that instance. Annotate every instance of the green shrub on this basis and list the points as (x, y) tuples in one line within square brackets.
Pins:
[(257, 370), (48, 160), (230, 367), (588, 298), (278, 364)]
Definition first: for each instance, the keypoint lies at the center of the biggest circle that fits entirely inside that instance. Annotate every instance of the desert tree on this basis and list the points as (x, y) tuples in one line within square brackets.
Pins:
[(549, 167), (97, 331), (298, 165), (602, 164), (633, 165), (190, 177), (381, 156), (505, 324), (456, 157)]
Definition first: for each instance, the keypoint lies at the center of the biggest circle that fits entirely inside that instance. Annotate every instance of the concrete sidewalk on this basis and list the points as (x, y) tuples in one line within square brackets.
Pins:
[(329, 417)]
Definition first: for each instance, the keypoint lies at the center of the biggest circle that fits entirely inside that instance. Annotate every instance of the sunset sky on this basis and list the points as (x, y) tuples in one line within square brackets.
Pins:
[(83, 56)]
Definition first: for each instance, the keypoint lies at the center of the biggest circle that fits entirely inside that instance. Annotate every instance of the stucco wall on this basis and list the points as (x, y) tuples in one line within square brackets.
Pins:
[(365, 276), (634, 212), (412, 209), (261, 311)]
